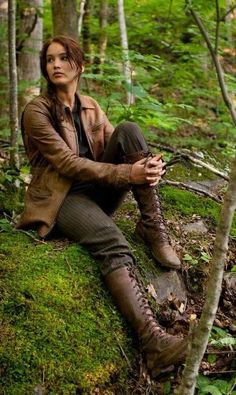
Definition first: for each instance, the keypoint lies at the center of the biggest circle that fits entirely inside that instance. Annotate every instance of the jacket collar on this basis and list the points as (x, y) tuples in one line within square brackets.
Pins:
[(85, 101)]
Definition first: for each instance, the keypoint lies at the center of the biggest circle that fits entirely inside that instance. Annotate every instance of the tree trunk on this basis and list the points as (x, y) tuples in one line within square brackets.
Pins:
[(29, 43), (102, 41), (202, 332), (228, 20), (86, 32), (4, 85), (65, 18), (103, 33), (13, 108), (81, 15), (127, 68)]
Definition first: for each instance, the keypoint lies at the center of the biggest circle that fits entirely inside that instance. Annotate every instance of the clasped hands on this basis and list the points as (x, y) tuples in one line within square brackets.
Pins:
[(148, 171)]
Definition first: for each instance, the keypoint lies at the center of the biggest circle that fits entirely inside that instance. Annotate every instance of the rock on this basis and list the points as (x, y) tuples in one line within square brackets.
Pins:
[(39, 390), (170, 287), (213, 186), (195, 227), (230, 280)]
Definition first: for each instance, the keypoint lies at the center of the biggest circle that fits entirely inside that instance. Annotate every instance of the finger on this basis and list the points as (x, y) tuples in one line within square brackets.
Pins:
[(158, 156), (152, 179), (142, 161), (154, 163), (153, 184), (154, 171)]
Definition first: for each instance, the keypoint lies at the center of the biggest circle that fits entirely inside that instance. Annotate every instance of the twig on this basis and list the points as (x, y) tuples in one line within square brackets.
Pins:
[(123, 353), (220, 352), (232, 388), (208, 373), (165, 147), (192, 188), (192, 159), (207, 166), (217, 26), (31, 236), (228, 12), (218, 67), (68, 263)]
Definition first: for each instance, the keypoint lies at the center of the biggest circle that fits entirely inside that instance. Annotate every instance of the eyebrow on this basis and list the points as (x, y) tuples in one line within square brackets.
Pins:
[(60, 54)]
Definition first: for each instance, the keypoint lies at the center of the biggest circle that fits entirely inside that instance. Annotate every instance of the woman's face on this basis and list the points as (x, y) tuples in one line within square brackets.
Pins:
[(60, 71)]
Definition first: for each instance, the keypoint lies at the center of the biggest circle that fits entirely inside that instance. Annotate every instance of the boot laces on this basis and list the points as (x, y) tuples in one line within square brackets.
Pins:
[(150, 322), (158, 219)]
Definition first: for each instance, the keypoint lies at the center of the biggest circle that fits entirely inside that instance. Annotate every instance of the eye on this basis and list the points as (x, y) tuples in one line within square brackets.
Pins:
[(49, 60), (65, 58)]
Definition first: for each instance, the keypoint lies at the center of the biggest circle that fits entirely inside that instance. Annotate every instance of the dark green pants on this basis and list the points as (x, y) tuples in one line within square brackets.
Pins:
[(85, 214)]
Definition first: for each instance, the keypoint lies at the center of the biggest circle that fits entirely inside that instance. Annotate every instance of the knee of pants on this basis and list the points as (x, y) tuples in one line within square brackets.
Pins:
[(131, 128), (131, 137)]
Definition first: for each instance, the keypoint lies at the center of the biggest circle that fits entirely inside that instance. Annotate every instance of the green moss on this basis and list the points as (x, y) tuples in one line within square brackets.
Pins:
[(57, 321), (185, 203)]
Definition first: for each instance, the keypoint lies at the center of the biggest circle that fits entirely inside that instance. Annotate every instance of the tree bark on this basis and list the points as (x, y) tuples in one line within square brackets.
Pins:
[(4, 72), (103, 34), (86, 32), (201, 333), (127, 68), (228, 5), (13, 106), (81, 16), (65, 18), (30, 37)]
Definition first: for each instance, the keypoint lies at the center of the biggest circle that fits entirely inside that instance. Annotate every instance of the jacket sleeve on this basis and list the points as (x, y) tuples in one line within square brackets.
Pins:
[(40, 135)]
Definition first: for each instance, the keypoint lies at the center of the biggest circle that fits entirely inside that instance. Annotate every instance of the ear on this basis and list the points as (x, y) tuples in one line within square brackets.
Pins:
[(82, 69)]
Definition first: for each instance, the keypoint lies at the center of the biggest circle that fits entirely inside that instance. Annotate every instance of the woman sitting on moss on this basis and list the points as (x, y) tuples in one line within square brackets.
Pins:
[(81, 169)]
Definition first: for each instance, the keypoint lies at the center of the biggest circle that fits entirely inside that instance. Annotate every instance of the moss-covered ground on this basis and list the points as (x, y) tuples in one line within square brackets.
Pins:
[(59, 329)]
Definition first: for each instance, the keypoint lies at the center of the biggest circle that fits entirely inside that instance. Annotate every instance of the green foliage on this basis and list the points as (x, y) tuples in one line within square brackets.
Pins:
[(220, 338), (12, 185), (208, 386), (203, 257)]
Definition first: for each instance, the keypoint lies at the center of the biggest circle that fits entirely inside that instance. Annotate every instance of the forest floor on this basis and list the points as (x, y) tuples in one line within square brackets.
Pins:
[(56, 315)]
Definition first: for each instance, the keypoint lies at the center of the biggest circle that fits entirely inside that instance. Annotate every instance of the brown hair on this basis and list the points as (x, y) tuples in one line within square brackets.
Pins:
[(72, 49), (75, 56)]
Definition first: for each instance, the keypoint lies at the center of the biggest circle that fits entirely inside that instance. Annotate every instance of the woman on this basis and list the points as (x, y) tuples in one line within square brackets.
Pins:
[(81, 168)]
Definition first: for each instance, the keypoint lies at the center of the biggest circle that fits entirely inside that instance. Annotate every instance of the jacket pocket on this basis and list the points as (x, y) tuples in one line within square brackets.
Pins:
[(37, 193), (97, 127)]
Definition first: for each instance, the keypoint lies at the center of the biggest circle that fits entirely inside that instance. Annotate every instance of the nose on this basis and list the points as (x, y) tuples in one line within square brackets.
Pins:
[(57, 63)]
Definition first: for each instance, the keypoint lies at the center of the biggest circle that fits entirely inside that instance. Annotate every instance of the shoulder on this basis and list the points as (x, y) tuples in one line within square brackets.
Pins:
[(41, 102), (87, 102)]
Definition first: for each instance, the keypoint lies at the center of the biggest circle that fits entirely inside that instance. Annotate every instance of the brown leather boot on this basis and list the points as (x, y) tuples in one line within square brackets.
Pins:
[(160, 349), (151, 228)]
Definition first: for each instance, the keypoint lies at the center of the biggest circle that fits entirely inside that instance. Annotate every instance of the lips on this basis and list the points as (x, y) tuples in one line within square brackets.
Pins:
[(57, 74)]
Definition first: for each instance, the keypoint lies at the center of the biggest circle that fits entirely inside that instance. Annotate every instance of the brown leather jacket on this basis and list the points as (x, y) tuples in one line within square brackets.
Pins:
[(55, 161)]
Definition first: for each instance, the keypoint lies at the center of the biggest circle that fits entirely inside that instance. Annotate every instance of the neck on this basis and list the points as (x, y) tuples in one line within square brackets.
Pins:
[(66, 95), (67, 100)]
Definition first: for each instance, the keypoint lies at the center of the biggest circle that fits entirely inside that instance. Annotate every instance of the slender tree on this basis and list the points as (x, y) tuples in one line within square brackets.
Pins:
[(103, 33), (202, 331), (86, 35), (29, 43), (127, 68), (4, 86), (13, 106), (81, 15)]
